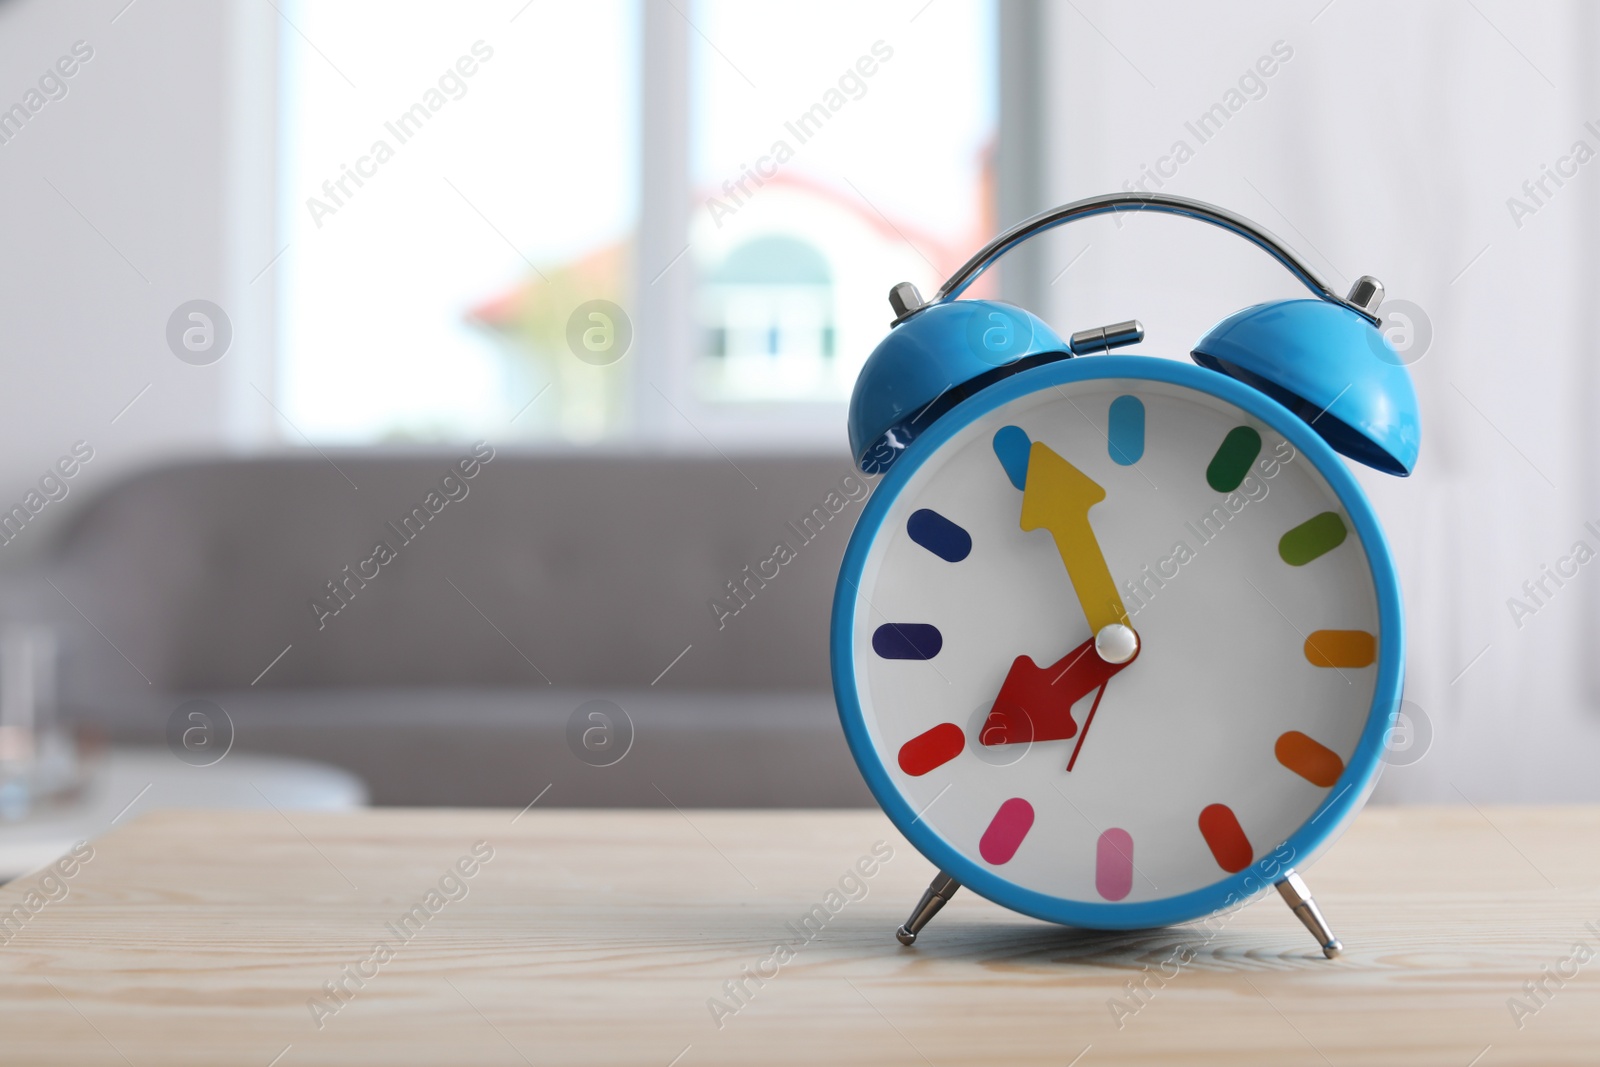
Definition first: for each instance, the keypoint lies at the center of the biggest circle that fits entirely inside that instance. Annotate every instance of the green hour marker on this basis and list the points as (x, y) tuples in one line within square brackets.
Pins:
[(1232, 462), (1316, 536)]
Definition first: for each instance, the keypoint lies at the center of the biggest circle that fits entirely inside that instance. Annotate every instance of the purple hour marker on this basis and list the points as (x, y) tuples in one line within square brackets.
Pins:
[(907, 640), (939, 535)]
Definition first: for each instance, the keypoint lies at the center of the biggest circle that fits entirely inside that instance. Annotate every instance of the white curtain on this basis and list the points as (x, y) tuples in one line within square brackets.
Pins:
[(1389, 140)]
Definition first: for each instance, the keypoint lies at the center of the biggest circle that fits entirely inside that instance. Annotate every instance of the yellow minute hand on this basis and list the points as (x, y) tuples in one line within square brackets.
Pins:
[(1057, 498)]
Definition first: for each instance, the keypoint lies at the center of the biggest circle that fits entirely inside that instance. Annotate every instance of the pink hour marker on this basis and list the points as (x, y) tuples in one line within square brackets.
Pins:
[(1113, 864), (1006, 831)]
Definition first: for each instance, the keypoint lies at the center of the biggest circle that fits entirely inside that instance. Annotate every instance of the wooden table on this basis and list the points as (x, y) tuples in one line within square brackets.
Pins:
[(613, 937)]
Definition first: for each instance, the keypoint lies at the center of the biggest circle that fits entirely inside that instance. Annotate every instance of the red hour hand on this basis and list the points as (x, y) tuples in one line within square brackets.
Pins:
[(1035, 703)]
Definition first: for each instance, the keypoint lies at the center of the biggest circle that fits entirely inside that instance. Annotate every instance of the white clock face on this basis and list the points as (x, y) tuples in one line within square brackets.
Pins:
[(1252, 608)]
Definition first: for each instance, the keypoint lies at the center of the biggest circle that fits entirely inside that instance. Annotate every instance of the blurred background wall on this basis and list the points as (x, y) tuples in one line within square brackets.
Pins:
[(1434, 145), (1399, 141), (143, 187)]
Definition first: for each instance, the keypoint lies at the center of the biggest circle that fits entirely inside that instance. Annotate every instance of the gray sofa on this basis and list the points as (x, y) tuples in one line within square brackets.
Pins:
[(446, 666)]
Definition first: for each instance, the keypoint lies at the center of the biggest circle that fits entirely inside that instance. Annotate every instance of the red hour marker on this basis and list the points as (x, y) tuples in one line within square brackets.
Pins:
[(1221, 829), (932, 748), (1113, 864), (1006, 831)]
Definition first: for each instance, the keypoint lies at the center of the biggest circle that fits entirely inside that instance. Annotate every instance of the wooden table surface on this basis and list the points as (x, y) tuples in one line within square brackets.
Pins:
[(623, 937)]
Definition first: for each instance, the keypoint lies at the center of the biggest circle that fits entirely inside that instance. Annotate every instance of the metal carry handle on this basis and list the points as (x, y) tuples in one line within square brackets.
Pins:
[(1364, 298)]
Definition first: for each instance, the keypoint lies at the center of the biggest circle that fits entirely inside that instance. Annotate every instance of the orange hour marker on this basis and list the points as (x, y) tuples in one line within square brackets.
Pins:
[(1341, 648), (1310, 759)]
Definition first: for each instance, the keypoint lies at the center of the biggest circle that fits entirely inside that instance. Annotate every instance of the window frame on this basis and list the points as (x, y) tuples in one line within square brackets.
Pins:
[(664, 407)]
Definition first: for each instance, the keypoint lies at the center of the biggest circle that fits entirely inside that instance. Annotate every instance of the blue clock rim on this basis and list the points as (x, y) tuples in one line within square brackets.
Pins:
[(1344, 799)]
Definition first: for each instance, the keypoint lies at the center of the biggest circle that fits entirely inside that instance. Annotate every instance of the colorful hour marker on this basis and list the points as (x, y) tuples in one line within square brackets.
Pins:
[(1341, 648), (932, 748), (1233, 458), (939, 535), (1125, 430), (1315, 537), (1113, 864), (907, 640), (1220, 827), (1006, 831), (1311, 760), (1011, 446)]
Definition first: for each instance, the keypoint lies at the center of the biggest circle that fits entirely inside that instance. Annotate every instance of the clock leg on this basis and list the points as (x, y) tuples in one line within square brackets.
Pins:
[(939, 891), (1298, 897)]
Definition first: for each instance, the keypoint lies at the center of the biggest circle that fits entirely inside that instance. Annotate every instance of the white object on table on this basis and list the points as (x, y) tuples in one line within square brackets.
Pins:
[(133, 780)]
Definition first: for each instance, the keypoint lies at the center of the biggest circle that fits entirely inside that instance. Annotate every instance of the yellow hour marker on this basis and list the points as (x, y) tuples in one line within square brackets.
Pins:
[(1341, 648)]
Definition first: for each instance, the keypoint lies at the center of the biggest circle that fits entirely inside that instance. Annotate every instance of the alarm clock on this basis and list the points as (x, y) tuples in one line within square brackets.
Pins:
[(1117, 640)]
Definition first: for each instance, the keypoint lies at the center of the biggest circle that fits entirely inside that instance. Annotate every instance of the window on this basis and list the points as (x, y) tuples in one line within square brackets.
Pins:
[(420, 200), (838, 148), (460, 188)]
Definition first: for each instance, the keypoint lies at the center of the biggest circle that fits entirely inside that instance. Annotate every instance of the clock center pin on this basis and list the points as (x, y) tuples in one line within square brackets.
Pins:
[(1116, 643)]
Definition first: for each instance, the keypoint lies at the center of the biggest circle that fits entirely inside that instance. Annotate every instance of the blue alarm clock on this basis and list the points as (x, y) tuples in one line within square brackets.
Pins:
[(1117, 641)]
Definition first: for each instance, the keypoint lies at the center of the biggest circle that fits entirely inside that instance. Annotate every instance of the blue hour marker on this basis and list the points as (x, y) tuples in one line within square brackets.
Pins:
[(1125, 430), (1011, 445), (907, 640), (939, 535)]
